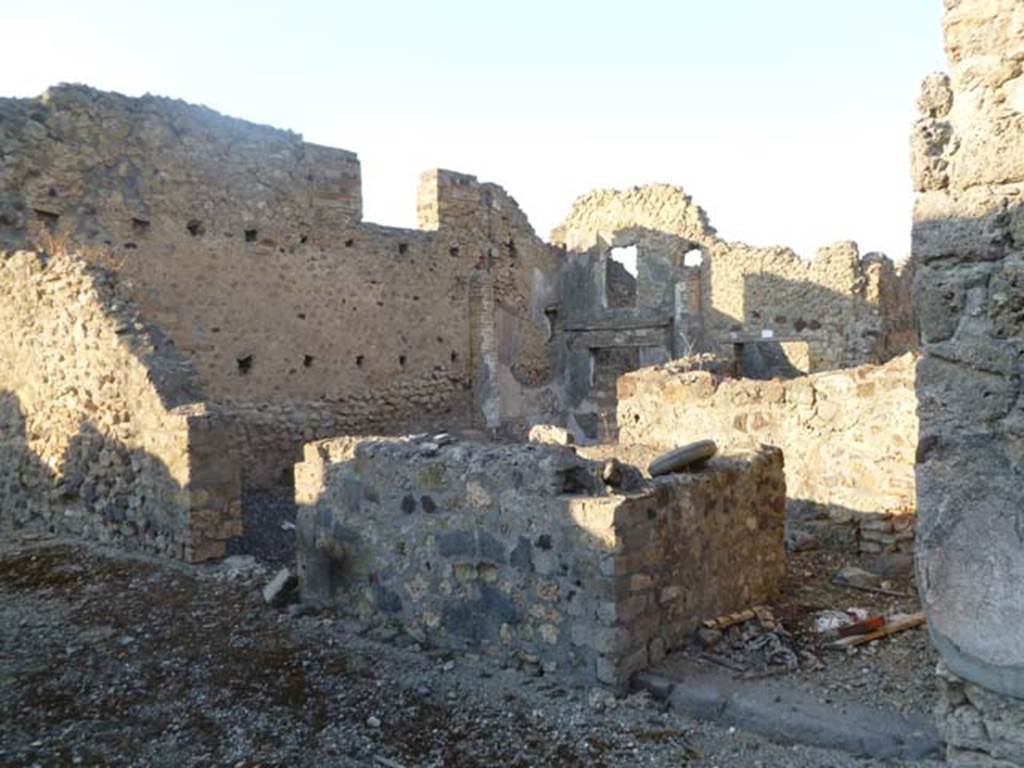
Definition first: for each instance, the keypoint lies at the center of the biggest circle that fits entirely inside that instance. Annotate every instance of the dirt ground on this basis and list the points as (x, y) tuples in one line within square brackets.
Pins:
[(114, 660)]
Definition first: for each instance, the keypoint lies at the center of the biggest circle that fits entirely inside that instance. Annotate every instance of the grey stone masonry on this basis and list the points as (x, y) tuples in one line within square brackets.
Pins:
[(521, 550)]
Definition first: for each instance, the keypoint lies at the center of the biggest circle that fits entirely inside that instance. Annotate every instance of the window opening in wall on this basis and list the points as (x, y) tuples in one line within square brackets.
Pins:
[(401, 360), (693, 258), (359, 361), (250, 235), (244, 364), (303, 240), (349, 243), (403, 247), (307, 361), (620, 277), (455, 356), (195, 227), (453, 251)]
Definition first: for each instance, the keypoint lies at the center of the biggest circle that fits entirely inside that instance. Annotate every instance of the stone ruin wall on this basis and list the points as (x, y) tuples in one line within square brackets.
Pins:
[(245, 245), (522, 552), (842, 308), (968, 171), (100, 435), (848, 436), (514, 283)]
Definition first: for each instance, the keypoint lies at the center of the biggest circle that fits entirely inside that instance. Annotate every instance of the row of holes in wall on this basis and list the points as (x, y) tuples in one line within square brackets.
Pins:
[(195, 227), (245, 363)]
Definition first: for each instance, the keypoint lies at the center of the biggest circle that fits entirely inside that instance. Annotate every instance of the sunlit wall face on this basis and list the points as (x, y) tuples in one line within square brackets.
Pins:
[(786, 122)]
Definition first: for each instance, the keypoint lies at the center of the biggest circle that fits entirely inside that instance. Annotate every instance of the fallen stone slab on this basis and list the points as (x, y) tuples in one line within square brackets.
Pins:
[(852, 576), (280, 588), (549, 433), (682, 457), (790, 715)]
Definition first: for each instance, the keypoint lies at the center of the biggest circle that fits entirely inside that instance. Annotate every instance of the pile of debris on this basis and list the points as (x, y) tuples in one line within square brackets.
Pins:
[(753, 643)]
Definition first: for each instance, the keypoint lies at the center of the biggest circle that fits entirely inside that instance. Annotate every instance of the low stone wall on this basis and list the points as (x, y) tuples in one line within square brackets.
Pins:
[(100, 432), (520, 550), (269, 435), (849, 436), (981, 729)]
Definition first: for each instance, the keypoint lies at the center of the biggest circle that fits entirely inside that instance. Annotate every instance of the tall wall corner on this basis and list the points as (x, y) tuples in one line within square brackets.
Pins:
[(444, 198), (335, 181)]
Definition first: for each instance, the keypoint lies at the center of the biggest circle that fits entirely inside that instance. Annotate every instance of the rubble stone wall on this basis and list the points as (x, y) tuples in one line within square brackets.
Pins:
[(848, 436), (981, 729), (968, 170), (101, 434), (246, 245), (521, 551), (844, 308)]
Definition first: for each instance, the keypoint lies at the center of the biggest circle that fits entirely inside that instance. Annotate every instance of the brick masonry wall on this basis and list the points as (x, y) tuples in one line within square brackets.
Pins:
[(100, 434), (849, 436), (521, 551)]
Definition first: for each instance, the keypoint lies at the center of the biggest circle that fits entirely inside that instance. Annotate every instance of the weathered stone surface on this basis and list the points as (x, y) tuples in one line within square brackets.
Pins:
[(849, 436), (548, 433), (680, 458), (516, 560), (981, 729), (245, 246), (100, 434), (766, 311), (970, 549)]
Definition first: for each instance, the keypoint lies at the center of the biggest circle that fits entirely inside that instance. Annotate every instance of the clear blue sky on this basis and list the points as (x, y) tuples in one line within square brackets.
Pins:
[(788, 121)]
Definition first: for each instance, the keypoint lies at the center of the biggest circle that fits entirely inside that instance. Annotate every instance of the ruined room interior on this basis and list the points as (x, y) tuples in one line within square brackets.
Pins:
[(449, 437)]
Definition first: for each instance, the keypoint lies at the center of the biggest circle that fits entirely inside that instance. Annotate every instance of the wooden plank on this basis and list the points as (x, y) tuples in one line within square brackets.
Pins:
[(910, 622)]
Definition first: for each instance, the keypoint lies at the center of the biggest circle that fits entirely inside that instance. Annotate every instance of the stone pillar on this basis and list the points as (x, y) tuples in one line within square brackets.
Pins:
[(968, 238)]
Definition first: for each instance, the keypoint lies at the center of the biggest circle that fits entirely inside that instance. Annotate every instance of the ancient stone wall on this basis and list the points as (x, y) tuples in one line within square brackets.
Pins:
[(241, 241), (837, 310), (849, 436), (968, 165), (513, 299), (245, 245), (981, 729), (521, 551), (100, 431)]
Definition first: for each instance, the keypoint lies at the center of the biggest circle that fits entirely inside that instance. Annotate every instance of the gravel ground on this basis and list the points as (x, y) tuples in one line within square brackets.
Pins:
[(894, 673), (113, 660)]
